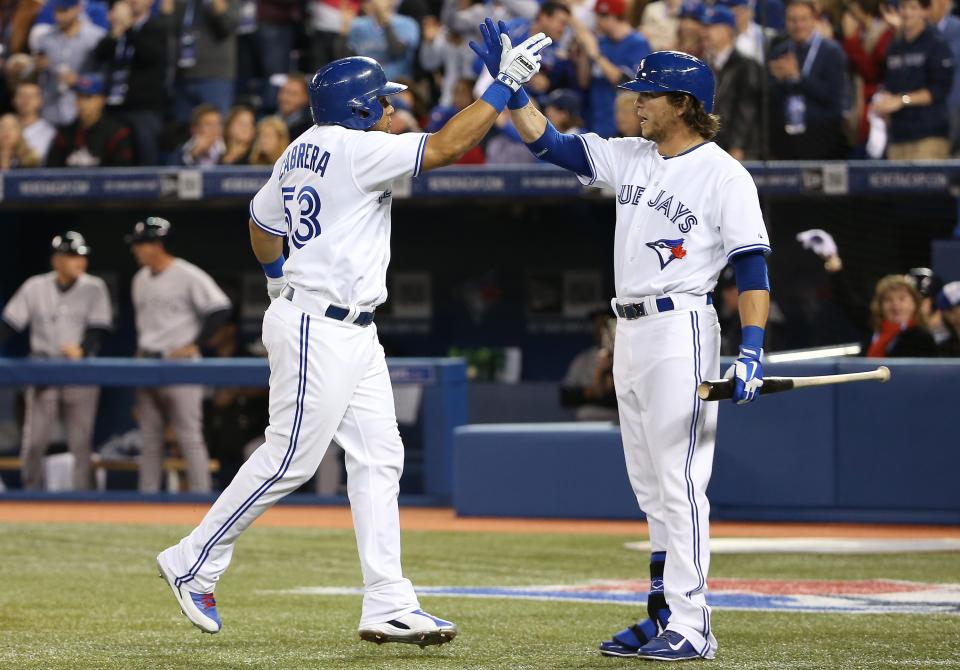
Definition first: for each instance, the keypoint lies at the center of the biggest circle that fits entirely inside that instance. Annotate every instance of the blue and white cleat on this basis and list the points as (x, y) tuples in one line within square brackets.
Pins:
[(199, 608), (417, 627), (627, 642), (670, 646)]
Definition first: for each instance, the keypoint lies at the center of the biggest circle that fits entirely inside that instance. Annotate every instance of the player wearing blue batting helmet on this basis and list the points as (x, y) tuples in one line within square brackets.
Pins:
[(675, 72), (347, 92)]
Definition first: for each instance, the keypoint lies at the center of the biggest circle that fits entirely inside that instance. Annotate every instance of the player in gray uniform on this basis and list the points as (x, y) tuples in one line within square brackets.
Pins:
[(178, 307), (67, 312)]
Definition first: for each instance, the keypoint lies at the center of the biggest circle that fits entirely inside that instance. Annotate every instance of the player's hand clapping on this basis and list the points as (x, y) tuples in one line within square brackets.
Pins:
[(511, 65)]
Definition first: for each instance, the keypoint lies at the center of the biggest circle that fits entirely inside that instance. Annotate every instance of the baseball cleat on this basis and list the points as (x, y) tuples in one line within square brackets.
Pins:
[(199, 608), (628, 641), (417, 627), (670, 646)]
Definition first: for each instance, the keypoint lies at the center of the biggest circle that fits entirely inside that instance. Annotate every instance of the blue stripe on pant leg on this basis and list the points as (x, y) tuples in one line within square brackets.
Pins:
[(284, 464)]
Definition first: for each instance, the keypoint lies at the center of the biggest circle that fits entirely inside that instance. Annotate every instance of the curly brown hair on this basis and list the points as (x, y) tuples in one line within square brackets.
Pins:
[(695, 116), (893, 283)]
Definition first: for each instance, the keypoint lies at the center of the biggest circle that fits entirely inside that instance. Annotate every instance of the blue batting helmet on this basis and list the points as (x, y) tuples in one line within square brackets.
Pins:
[(674, 72), (346, 93)]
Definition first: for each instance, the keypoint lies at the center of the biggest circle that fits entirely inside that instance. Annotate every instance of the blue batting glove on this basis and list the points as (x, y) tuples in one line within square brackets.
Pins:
[(489, 53), (747, 375)]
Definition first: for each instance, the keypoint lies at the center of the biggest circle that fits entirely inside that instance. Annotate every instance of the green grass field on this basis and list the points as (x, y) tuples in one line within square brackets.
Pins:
[(78, 597)]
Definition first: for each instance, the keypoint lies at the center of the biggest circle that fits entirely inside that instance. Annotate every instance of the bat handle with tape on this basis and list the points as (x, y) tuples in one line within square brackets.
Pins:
[(722, 389)]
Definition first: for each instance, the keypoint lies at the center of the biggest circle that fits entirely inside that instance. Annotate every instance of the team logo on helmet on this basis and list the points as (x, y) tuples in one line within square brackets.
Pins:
[(668, 250)]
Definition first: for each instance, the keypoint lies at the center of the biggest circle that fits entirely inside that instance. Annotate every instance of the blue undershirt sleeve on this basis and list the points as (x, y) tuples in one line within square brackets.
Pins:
[(565, 151), (751, 271)]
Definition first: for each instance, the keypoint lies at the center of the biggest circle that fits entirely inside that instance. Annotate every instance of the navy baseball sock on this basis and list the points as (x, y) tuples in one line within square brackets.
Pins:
[(657, 607)]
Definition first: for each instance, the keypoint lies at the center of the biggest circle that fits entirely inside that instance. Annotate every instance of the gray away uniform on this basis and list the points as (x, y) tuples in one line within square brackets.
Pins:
[(57, 318), (170, 308)]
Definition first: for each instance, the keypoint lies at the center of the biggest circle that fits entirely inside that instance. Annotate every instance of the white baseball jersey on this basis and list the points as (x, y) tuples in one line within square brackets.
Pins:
[(57, 317), (329, 194), (170, 306), (679, 219)]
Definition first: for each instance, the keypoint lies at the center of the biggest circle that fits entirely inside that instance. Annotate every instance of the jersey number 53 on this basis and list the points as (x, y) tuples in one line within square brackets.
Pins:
[(302, 225)]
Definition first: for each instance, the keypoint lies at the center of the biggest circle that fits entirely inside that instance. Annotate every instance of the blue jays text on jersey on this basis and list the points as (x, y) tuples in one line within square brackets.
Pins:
[(630, 194)]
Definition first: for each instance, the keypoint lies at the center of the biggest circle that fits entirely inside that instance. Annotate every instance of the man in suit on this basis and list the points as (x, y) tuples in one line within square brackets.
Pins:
[(808, 80)]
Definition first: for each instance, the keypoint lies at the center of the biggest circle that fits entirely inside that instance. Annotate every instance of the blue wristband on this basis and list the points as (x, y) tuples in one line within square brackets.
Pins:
[(752, 338), (519, 100), (274, 269), (497, 95)]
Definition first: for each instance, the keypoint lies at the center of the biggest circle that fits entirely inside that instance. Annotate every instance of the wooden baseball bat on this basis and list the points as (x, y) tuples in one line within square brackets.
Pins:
[(722, 389)]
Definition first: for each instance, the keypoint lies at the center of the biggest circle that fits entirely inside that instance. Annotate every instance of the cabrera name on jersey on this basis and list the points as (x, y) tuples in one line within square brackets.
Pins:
[(329, 195), (679, 219)]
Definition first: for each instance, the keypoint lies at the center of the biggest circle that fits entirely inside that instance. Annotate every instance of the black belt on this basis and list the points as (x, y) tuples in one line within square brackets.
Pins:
[(150, 354), (363, 319), (636, 310)]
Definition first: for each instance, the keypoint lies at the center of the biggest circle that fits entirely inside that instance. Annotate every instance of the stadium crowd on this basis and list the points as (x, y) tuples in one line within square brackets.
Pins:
[(207, 82)]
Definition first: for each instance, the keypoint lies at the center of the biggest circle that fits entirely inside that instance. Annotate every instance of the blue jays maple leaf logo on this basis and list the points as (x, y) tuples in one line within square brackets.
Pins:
[(668, 250)]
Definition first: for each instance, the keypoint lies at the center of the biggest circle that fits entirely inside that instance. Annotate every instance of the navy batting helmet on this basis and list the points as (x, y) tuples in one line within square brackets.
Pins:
[(346, 93), (151, 229), (675, 72), (69, 242)]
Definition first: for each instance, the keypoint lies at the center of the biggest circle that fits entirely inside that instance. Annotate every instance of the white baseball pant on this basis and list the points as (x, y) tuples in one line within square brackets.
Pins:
[(328, 381), (668, 441)]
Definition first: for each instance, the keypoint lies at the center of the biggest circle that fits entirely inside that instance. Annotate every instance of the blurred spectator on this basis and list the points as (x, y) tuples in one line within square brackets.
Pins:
[(67, 312), (625, 111), (603, 64), (556, 70), (390, 39), (866, 38), (588, 384), (134, 56), (739, 80), (15, 152), (689, 29), (94, 139), (271, 141), (505, 146), (94, 10), (239, 134), (660, 23), (462, 98), (276, 34), (750, 40), (402, 122), (330, 22), (206, 53), (293, 105), (948, 304), (949, 26), (808, 80), (205, 147), (562, 109), (445, 53), (178, 308), (917, 83), (37, 131), (929, 285), (62, 55), (892, 321), (18, 17), (17, 69)]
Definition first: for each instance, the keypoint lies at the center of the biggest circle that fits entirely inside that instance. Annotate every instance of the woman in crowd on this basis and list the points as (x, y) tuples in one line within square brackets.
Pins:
[(14, 150), (239, 135), (272, 137)]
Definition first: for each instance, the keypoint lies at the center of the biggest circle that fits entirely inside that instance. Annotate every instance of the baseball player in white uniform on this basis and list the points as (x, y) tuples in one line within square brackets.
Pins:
[(330, 197), (178, 308), (684, 209), (68, 312)]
